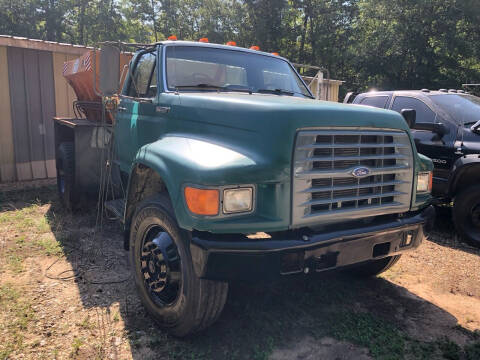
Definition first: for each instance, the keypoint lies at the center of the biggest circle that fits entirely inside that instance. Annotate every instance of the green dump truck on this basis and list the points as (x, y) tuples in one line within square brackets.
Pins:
[(222, 166)]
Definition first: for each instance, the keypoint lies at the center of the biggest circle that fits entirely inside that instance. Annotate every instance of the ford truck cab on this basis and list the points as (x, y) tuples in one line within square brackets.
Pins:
[(225, 167)]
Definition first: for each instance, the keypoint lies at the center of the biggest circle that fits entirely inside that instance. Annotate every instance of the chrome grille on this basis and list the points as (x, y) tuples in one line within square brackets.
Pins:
[(325, 188)]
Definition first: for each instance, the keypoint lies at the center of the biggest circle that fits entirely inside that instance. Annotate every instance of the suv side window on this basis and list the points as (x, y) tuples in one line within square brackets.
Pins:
[(376, 101), (143, 82), (424, 113)]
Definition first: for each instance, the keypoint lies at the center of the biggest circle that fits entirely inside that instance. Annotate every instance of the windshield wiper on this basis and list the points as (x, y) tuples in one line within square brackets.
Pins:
[(215, 87), (282, 92), (276, 91)]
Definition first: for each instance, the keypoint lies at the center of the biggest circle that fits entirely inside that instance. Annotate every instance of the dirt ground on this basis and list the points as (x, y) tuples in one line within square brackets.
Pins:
[(66, 292)]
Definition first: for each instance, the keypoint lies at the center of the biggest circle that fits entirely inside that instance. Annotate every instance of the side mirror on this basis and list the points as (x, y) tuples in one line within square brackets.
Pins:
[(476, 127), (109, 69), (410, 117), (437, 128)]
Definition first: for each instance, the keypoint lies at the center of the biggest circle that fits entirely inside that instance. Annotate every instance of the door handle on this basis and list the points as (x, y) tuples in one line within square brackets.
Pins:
[(121, 109)]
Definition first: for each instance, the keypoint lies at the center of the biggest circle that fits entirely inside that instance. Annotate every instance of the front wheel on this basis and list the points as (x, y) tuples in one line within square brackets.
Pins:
[(374, 267), (466, 214), (177, 299)]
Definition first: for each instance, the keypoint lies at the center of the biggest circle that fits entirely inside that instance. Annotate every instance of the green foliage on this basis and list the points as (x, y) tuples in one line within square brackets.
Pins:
[(386, 44), (384, 340)]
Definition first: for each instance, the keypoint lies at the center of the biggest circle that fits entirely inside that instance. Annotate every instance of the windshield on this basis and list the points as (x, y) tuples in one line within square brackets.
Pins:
[(463, 108), (204, 68)]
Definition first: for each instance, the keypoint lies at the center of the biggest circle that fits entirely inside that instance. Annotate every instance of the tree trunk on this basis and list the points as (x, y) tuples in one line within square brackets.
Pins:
[(302, 42)]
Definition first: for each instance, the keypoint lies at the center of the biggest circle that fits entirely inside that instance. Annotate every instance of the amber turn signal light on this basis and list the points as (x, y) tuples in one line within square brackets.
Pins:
[(276, 54), (231, 43), (254, 47), (202, 201), (172, 37), (204, 40)]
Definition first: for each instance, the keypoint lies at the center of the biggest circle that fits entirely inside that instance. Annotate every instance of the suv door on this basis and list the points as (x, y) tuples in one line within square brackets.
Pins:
[(427, 142), (136, 108)]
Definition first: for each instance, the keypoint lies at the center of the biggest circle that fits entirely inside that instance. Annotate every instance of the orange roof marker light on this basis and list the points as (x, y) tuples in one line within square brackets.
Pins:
[(231, 43), (254, 47), (172, 37), (204, 40), (276, 54)]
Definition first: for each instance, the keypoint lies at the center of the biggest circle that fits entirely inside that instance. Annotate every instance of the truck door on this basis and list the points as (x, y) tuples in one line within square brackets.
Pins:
[(136, 109), (428, 143)]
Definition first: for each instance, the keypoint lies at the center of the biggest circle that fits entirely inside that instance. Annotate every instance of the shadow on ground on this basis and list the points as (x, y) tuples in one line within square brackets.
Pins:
[(375, 314)]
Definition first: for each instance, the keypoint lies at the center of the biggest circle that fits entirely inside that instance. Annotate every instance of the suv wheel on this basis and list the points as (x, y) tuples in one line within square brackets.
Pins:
[(466, 214), (177, 299)]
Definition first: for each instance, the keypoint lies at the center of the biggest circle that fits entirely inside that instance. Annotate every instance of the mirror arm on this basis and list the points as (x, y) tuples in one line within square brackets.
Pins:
[(476, 127)]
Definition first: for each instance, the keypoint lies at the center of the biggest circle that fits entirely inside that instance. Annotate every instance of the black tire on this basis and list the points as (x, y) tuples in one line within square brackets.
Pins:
[(466, 215), (66, 175), (175, 297), (374, 267)]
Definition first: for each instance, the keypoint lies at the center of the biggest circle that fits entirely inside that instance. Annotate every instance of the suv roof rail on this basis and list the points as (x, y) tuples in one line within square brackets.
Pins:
[(443, 90), (425, 90)]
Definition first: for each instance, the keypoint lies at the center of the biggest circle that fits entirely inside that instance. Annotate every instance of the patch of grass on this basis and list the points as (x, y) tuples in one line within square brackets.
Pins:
[(422, 351), (50, 246), (15, 261), (20, 241), (76, 345), (116, 316), (184, 351), (263, 351), (15, 316), (449, 349), (472, 352), (29, 219), (86, 323), (42, 225), (382, 339)]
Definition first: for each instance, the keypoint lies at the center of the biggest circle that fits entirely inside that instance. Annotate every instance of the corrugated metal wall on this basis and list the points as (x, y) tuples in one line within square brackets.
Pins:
[(32, 91), (32, 102), (7, 159)]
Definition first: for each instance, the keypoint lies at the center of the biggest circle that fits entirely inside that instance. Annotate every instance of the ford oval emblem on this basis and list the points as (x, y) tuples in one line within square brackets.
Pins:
[(360, 172)]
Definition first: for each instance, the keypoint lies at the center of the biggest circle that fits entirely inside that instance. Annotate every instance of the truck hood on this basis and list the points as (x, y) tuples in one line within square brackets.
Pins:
[(260, 128), (262, 112)]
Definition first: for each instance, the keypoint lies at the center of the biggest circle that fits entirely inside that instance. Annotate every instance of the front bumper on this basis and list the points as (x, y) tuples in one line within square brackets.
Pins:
[(236, 257)]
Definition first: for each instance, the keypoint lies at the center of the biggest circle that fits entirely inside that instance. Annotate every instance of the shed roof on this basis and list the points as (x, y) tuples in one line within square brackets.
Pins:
[(22, 42)]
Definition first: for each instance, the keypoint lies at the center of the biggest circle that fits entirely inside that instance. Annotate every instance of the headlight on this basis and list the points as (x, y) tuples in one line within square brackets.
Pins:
[(424, 182), (237, 200)]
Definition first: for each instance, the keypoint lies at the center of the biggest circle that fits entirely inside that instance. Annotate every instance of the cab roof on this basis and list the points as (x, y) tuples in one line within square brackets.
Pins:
[(215, 46)]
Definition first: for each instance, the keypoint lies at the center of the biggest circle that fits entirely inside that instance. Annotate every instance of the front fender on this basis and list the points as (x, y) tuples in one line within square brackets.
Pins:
[(180, 160), (468, 165)]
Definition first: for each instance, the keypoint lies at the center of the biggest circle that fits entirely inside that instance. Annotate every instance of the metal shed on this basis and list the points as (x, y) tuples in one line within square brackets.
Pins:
[(32, 91)]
